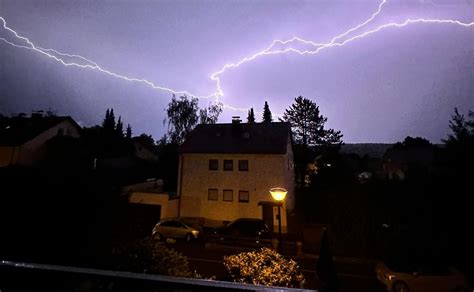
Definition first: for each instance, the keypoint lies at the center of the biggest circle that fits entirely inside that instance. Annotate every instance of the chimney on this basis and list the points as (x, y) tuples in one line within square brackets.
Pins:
[(236, 126)]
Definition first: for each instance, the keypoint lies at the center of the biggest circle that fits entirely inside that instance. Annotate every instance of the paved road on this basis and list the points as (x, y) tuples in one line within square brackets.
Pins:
[(207, 259)]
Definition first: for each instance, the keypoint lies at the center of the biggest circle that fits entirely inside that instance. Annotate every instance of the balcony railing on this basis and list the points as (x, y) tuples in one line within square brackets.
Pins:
[(40, 277)]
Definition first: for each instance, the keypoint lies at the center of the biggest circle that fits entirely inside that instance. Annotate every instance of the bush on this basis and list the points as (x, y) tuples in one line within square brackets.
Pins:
[(264, 267), (152, 257)]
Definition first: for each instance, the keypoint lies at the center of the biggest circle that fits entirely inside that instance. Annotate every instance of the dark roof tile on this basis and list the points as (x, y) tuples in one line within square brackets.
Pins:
[(255, 138)]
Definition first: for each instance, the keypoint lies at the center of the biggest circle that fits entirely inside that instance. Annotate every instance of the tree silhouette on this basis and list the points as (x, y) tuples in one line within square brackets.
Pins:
[(182, 117), (251, 116), (462, 129), (109, 121), (119, 128), (210, 114), (267, 114), (308, 124), (128, 133), (106, 120)]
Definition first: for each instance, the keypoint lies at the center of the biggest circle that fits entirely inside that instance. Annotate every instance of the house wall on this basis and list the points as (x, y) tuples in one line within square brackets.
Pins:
[(143, 153), (266, 171), (169, 208)]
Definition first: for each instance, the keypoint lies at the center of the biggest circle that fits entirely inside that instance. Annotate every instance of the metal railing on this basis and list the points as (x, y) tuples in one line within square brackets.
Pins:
[(40, 277)]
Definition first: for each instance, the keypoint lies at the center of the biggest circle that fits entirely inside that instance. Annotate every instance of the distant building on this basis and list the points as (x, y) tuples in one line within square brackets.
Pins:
[(227, 170), (23, 139), (414, 154), (143, 151)]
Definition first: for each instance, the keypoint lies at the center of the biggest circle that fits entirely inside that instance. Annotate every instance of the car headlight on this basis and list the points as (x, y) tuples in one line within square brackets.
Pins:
[(195, 233)]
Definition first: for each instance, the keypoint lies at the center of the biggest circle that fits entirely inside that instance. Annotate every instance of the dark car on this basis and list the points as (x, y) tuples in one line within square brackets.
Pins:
[(243, 231)]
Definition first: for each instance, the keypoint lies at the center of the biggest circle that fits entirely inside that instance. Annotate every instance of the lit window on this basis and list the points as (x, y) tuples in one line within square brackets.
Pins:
[(244, 196), (228, 195), (212, 194), (228, 164), (213, 164), (243, 165)]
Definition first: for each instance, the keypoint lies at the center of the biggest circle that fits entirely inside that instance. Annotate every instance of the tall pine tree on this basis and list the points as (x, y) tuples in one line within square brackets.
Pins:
[(119, 128), (128, 133), (308, 124), (267, 114), (251, 116)]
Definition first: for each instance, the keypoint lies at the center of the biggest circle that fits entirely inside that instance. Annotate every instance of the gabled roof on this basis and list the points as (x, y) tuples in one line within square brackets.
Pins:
[(255, 138), (19, 130)]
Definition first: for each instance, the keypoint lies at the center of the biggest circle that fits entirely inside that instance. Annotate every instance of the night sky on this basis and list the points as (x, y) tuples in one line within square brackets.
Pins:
[(379, 88)]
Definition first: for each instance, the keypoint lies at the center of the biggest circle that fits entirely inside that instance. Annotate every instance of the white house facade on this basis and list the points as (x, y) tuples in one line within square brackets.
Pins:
[(227, 170)]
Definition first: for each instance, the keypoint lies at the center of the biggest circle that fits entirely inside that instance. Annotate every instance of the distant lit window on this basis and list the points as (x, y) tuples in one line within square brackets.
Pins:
[(244, 196), (60, 131), (228, 164), (243, 165), (228, 195), (212, 194), (213, 164)]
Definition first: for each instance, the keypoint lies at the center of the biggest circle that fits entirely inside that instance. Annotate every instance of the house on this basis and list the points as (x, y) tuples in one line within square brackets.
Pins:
[(144, 150), (227, 170), (149, 203), (415, 155), (23, 139)]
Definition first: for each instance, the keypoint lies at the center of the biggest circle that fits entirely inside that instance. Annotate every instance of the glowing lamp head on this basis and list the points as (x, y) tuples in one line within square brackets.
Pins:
[(278, 194)]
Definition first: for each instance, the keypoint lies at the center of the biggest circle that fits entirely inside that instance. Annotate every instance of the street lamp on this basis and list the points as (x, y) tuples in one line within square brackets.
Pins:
[(279, 194)]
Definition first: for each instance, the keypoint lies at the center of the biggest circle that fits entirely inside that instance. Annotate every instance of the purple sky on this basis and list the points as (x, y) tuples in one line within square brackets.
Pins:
[(381, 88)]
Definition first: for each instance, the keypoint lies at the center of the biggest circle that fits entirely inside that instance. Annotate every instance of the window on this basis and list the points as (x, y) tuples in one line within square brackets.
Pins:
[(212, 194), (213, 164), (172, 224), (228, 195), (244, 196), (228, 164), (60, 131), (243, 165)]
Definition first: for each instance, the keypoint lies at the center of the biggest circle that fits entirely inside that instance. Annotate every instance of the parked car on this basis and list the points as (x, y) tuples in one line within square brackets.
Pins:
[(242, 230), (420, 277), (174, 228)]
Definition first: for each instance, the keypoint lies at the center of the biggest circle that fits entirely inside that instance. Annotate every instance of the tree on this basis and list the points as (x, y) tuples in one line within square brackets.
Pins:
[(106, 120), (109, 121), (308, 124), (267, 114), (112, 119), (147, 141), (119, 128), (251, 116), (182, 117), (128, 133), (462, 129), (210, 114)]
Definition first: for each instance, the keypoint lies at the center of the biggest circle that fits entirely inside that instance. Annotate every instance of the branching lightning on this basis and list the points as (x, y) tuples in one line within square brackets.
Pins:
[(337, 41), (89, 64)]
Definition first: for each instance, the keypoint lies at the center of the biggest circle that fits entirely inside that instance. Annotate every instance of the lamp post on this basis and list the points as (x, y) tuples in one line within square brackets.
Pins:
[(279, 194)]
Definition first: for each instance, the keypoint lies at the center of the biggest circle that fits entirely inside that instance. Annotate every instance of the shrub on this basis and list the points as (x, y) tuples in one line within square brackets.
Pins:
[(264, 267), (152, 257)]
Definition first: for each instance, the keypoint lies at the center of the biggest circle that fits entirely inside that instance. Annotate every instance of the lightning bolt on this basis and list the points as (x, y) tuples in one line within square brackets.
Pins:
[(89, 64), (336, 41)]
